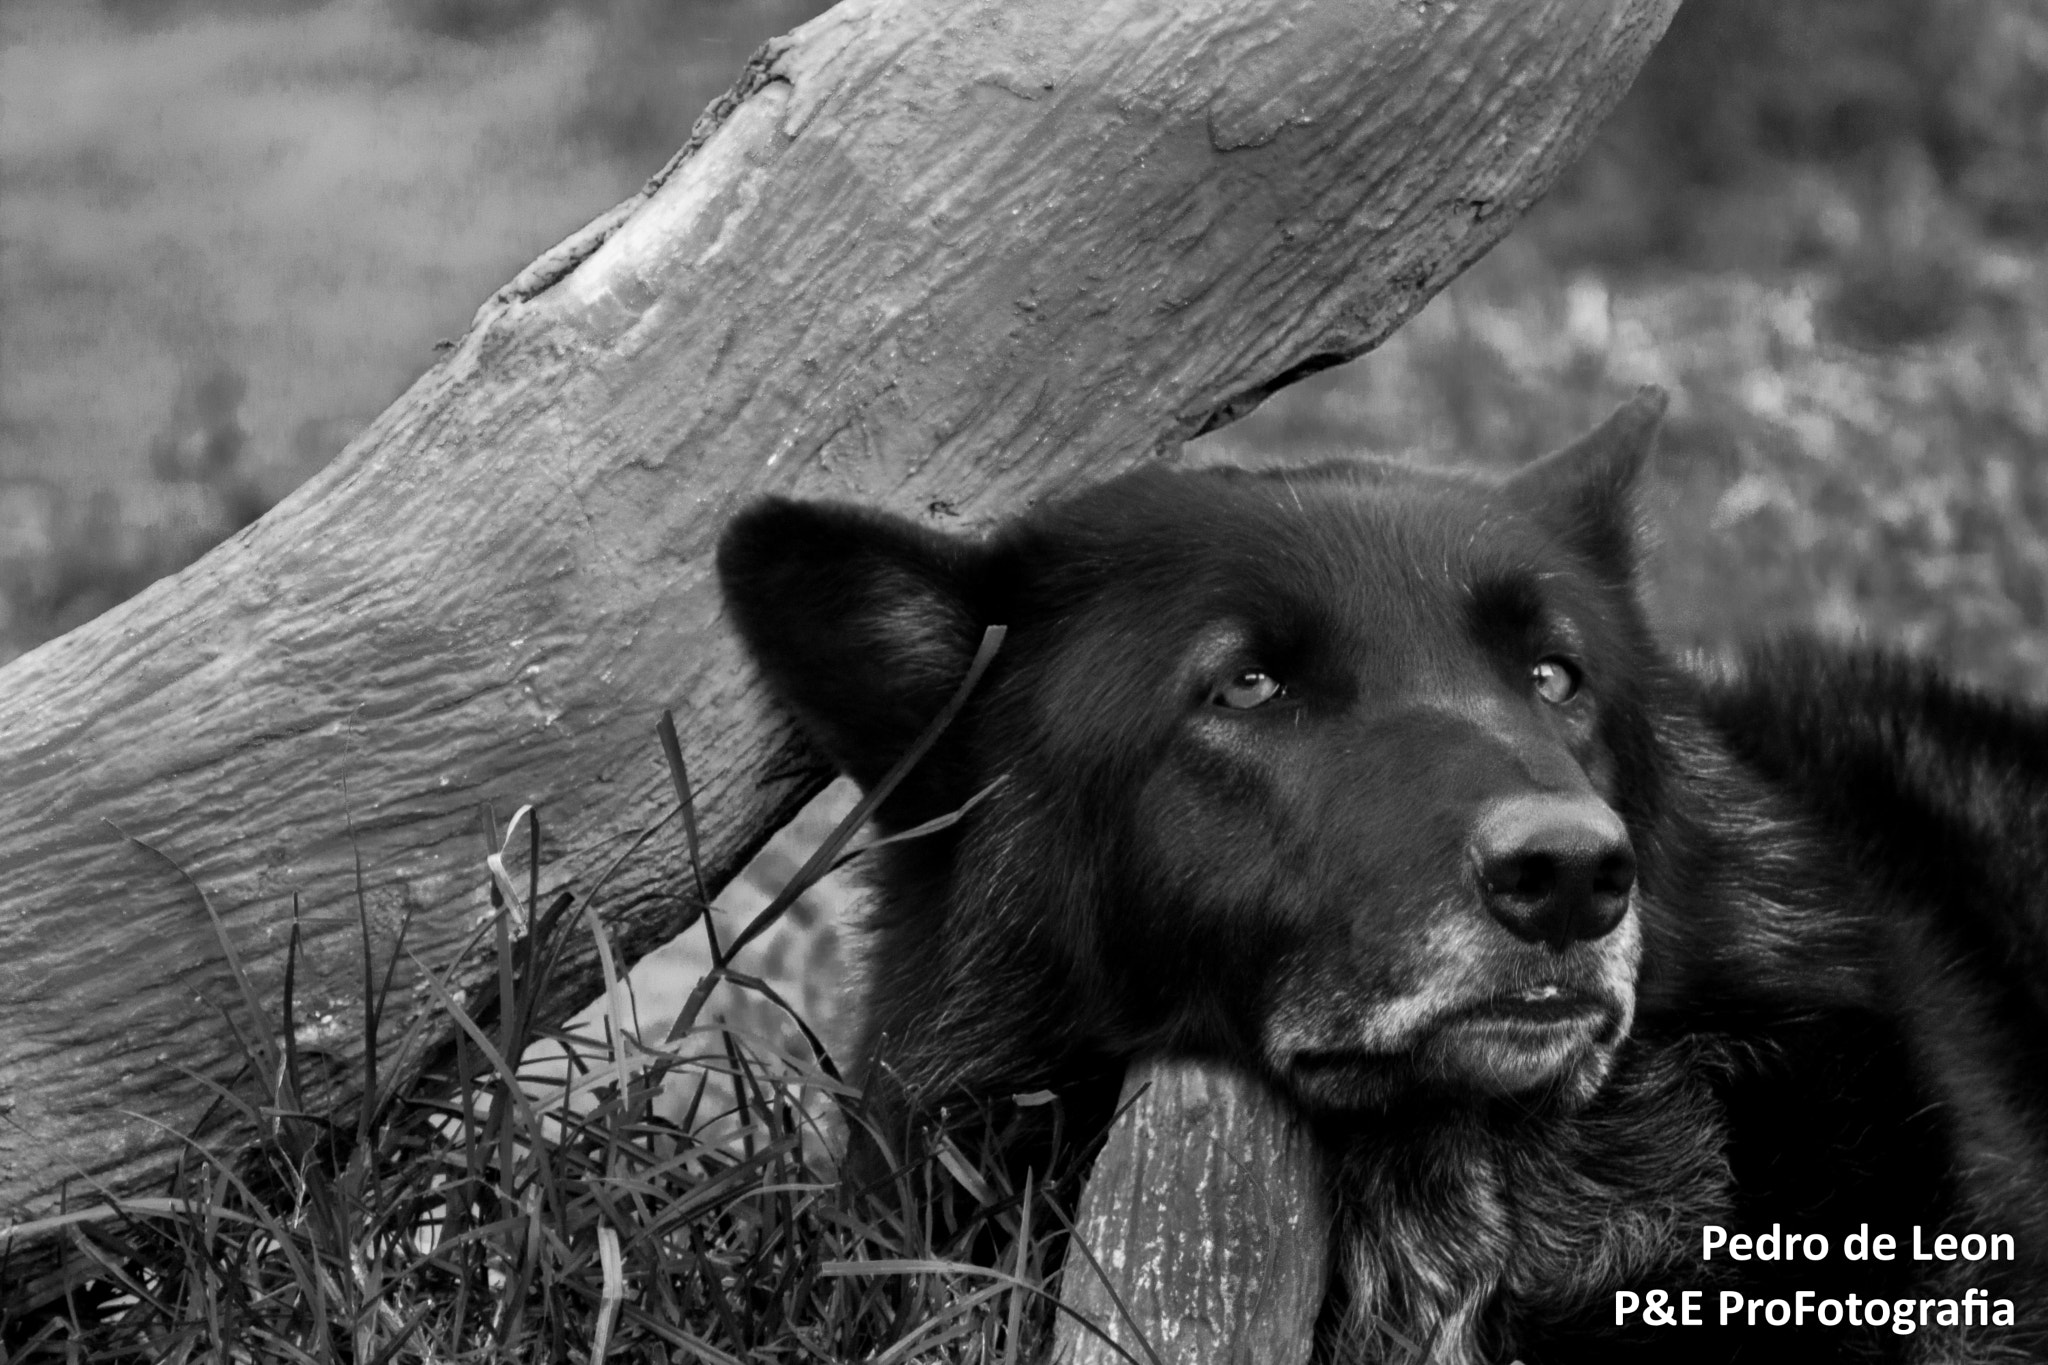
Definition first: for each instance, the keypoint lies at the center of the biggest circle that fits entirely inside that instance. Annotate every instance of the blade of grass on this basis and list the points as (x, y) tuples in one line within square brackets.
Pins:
[(937, 824), (814, 867), (372, 1001), (403, 1335), (614, 1291), (614, 987), (446, 999), (289, 1095), (763, 988), (686, 806), (679, 774), (1014, 1324), (258, 1022)]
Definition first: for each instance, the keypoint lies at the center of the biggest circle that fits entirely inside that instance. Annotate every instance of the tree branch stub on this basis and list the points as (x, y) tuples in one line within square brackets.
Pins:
[(1207, 1222)]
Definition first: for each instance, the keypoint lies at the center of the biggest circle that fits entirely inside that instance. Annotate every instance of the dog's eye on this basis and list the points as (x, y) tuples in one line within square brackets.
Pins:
[(1556, 681), (1243, 691)]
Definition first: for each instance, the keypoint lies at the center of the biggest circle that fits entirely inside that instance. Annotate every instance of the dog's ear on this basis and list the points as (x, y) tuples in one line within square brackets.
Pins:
[(862, 623), (1587, 491)]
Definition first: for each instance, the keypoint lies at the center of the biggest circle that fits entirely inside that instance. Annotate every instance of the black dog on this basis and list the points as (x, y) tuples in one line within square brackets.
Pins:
[(1373, 780)]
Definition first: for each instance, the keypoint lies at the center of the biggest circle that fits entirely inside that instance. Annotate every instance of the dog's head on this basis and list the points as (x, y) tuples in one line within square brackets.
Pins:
[(1341, 771)]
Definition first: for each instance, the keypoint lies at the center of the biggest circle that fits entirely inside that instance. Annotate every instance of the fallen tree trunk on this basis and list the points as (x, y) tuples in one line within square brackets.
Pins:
[(943, 257)]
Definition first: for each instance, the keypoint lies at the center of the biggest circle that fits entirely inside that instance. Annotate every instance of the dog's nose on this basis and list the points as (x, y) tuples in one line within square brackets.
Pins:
[(1553, 869)]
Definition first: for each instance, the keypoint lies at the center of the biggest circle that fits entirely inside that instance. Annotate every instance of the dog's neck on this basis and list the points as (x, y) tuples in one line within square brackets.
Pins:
[(1455, 1228)]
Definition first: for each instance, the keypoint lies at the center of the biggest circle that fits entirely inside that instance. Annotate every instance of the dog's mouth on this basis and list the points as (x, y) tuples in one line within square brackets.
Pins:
[(1521, 1040), (1535, 1007), (1514, 1042)]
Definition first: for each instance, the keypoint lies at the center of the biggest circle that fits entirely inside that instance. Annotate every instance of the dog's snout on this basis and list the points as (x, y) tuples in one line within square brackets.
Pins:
[(1554, 870)]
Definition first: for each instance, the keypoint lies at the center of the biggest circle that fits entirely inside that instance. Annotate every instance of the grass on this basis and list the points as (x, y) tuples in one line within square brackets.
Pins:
[(467, 1209)]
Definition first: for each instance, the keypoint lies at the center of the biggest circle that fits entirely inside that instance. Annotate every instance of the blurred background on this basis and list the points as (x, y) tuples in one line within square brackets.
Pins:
[(232, 231), (1820, 224)]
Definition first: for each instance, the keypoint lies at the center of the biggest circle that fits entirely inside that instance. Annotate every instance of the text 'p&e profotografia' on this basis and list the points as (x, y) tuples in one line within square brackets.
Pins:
[(1731, 1307)]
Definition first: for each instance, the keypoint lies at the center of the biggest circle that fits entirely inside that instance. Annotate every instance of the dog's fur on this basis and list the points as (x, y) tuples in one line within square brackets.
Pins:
[(1823, 1003)]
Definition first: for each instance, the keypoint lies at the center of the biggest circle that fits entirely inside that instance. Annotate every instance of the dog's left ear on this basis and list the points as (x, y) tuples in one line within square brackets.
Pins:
[(863, 624), (1587, 491)]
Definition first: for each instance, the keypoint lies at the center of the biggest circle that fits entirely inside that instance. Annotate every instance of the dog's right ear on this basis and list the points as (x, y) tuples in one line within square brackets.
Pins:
[(862, 622), (1587, 491)]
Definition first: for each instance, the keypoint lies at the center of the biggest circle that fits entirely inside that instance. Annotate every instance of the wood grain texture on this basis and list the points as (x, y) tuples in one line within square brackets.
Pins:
[(1208, 1227), (943, 257)]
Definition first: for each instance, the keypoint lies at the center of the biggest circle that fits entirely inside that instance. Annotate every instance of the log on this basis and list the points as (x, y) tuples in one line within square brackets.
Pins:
[(1205, 1226), (941, 257)]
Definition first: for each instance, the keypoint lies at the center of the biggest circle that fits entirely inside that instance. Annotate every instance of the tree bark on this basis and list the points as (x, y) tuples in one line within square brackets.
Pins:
[(945, 257), (1205, 1227)]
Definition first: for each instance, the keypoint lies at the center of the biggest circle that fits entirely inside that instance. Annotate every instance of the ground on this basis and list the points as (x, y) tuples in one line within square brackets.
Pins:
[(234, 232)]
